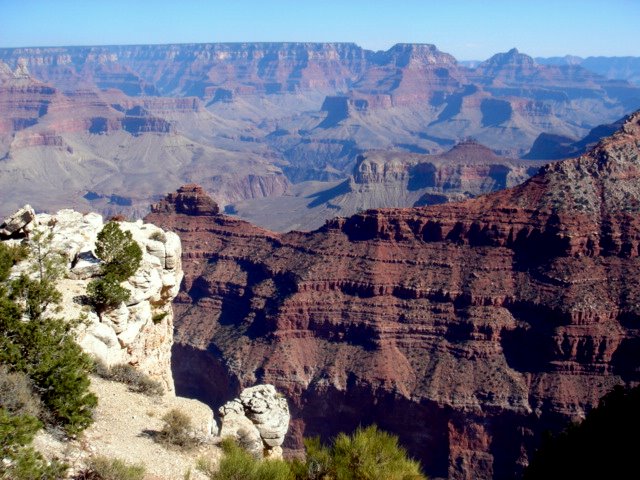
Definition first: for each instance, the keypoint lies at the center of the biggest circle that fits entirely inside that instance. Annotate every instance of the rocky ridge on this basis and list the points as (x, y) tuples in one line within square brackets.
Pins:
[(139, 332), (467, 329)]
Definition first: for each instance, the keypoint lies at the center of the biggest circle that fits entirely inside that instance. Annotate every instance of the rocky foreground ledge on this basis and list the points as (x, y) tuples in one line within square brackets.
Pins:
[(139, 332)]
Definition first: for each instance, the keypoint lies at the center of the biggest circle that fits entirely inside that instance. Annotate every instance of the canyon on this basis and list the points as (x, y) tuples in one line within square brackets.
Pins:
[(113, 128), (382, 179), (468, 329)]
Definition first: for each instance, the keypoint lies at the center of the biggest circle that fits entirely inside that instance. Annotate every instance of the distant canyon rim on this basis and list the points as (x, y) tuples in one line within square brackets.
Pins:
[(279, 127)]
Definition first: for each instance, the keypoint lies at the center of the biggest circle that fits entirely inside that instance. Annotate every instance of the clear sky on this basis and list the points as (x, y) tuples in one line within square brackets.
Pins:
[(468, 29)]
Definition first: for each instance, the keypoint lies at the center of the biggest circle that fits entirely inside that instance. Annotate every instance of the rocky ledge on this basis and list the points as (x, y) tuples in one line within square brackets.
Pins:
[(139, 332)]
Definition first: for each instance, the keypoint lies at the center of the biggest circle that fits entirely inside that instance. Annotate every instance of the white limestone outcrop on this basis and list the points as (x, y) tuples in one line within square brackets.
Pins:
[(258, 419), (139, 332), (17, 222)]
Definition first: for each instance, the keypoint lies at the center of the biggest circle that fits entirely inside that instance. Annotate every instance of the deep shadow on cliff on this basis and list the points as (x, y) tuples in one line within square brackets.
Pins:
[(467, 329)]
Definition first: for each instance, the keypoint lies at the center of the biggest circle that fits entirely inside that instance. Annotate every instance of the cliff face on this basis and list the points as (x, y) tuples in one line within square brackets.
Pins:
[(467, 329)]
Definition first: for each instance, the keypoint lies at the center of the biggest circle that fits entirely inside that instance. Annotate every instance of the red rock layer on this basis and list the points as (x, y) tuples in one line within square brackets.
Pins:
[(467, 329)]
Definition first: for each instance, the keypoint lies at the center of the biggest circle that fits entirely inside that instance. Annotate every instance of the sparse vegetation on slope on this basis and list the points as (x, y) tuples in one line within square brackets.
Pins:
[(43, 372), (177, 430), (44, 348), (137, 381), (103, 468), (19, 461)]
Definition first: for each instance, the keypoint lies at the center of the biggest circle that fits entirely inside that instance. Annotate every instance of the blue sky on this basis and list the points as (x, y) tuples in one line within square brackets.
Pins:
[(468, 29)]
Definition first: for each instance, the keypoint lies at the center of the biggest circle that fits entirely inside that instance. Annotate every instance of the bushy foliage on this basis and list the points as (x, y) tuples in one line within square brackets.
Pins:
[(103, 468), (158, 317), (367, 454), (158, 235), (6, 262), (19, 460), (118, 250), (238, 464), (106, 293), (122, 256), (35, 295), (136, 380), (177, 430), (9, 256), (37, 291), (604, 445), (44, 348)]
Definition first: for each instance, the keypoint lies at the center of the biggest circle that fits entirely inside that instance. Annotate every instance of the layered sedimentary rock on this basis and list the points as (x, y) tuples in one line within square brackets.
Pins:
[(467, 329), (103, 150), (112, 128), (315, 95), (468, 168), (382, 179), (139, 332)]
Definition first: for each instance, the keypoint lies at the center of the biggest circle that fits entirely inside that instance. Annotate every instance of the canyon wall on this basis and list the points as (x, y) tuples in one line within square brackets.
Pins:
[(115, 127), (467, 329)]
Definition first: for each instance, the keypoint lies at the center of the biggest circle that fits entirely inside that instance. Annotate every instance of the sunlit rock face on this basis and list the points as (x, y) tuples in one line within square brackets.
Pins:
[(139, 332), (467, 329)]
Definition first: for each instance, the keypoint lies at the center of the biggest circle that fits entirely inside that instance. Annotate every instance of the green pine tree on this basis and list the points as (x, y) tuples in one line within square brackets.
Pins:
[(122, 256)]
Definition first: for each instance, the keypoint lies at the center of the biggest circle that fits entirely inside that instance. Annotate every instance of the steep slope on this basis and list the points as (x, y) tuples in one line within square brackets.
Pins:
[(468, 329)]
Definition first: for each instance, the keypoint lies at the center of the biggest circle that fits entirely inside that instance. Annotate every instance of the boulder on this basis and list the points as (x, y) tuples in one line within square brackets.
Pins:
[(146, 283), (86, 266), (260, 413), (18, 223), (117, 318), (157, 249), (236, 425), (269, 412), (173, 249)]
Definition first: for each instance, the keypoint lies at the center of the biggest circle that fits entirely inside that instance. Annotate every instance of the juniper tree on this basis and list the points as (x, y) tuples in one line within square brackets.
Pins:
[(122, 256)]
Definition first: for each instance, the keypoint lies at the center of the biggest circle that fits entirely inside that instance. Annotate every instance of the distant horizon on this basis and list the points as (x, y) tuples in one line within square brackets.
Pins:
[(467, 29), (106, 45)]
